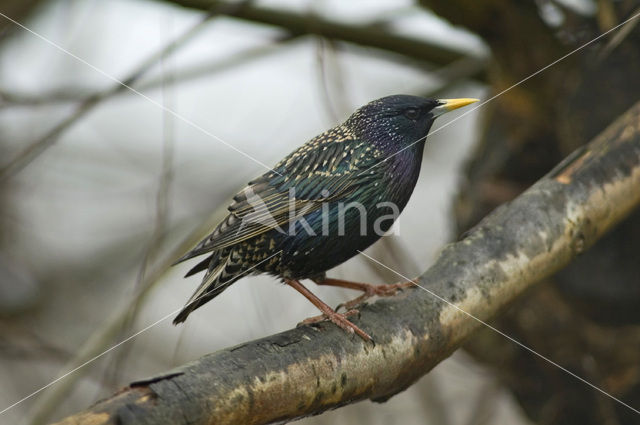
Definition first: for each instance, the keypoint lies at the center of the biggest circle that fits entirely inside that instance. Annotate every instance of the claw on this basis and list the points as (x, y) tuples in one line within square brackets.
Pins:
[(376, 290), (340, 319)]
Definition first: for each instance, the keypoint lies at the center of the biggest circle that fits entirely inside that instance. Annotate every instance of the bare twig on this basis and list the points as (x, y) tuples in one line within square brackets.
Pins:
[(206, 69), (454, 74), (36, 148), (160, 226), (365, 35), (618, 37), (325, 91), (331, 79), (104, 337)]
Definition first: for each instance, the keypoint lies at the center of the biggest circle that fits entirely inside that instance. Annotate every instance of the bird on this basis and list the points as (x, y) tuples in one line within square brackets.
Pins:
[(323, 203)]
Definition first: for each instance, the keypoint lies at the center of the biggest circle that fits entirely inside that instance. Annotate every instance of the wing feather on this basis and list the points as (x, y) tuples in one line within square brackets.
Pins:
[(332, 161)]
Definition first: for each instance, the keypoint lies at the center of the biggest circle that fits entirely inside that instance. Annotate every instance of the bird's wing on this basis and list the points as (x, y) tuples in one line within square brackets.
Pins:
[(327, 168)]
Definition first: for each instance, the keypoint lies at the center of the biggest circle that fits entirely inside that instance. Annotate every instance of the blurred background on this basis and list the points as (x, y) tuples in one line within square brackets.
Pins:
[(126, 127)]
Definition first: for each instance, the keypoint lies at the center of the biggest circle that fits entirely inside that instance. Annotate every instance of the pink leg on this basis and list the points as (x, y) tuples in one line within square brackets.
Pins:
[(327, 312), (368, 289)]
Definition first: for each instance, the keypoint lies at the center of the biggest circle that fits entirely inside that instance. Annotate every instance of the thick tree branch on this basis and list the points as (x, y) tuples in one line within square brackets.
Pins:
[(307, 370)]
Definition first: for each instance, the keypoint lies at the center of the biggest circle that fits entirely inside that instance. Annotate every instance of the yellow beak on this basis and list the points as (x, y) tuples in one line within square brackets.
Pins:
[(447, 105)]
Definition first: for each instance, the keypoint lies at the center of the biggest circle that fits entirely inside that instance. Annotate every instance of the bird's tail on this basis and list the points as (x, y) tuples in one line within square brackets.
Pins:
[(216, 280)]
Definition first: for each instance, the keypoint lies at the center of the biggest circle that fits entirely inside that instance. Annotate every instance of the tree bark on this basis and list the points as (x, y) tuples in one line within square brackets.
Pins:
[(308, 370), (587, 316)]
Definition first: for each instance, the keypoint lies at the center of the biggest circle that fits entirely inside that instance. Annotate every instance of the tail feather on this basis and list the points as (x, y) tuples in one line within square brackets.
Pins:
[(193, 305), (214, 282), (202, 265)]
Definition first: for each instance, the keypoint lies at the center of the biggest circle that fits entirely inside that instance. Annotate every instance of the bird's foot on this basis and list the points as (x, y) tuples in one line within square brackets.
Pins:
[(375, 290), (340, 319), (324, 317)]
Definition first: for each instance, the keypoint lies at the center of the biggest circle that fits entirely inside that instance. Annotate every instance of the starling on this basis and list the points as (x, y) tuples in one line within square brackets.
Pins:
[(330, 198)]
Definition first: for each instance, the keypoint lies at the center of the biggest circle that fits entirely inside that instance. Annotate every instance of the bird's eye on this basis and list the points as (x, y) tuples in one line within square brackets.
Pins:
[(412, 114)]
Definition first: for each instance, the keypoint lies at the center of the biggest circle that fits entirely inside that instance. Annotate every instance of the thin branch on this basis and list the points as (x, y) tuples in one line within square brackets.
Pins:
[(454, 74), (33, 150), (365, 35), (160, 227), (618, 37), (58, 95), (323, 79), (202, 70), (308, 370), (104, 337)]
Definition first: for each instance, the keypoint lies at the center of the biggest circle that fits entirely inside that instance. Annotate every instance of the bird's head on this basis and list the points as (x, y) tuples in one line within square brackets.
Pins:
[(399, 120)]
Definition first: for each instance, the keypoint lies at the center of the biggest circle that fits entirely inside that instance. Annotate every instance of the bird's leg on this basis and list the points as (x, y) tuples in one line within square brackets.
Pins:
[(327, 312), (368, 289)]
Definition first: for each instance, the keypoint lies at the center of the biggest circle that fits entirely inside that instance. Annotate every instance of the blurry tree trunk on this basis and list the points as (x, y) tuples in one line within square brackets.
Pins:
[(305, 371), (587, 316)]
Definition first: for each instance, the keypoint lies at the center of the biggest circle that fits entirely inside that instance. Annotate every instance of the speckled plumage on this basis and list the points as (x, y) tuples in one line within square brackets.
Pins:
[(341, 165)]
